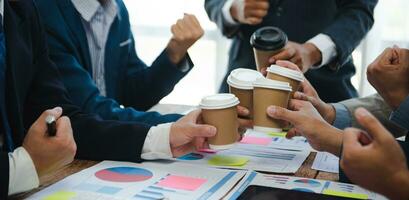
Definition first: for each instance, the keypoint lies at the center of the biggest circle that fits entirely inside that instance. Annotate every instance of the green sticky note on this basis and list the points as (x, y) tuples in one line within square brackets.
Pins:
[(61, 195), (220, 160), (345, 194), (282, 134)]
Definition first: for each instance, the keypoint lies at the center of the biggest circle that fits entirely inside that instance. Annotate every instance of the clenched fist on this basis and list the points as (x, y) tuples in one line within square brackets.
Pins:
[(50, 153), (249, 11), (185, 32)]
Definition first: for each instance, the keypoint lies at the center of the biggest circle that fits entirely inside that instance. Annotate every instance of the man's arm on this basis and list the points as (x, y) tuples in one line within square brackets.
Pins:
[(96, 139), (378, 107), (214, 9), (352, 22)]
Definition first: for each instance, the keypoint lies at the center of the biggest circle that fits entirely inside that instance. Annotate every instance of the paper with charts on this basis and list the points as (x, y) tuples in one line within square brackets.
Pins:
[(255, 152), (304, 185), (326, 162), (130, 181)]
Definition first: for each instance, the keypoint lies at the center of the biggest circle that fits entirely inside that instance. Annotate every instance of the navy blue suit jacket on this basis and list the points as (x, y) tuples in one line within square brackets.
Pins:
[(33, 85), (129, 81), (345, 21)]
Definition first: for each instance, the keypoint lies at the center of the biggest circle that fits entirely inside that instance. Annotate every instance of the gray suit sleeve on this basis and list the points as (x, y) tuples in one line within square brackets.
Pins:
[(378, 107), (215, 13)]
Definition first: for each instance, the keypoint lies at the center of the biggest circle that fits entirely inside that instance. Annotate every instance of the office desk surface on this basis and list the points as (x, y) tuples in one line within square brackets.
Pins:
[(78, 165)]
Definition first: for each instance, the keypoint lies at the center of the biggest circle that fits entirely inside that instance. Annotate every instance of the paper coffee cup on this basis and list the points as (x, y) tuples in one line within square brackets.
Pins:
[(241, 85), (220, 111), (267, 42), (293, 77), (266, 93)]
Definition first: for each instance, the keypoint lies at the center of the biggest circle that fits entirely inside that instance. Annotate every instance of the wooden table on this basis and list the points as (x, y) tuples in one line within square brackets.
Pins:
[(78, 165)]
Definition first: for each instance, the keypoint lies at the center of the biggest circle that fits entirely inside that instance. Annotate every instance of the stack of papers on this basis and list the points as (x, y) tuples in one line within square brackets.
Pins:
[(326, 162), (304, 185), (130, 181)]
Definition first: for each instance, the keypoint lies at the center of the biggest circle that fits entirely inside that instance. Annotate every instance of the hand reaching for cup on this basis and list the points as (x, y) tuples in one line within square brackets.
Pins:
[(185, 33), (188, 134)]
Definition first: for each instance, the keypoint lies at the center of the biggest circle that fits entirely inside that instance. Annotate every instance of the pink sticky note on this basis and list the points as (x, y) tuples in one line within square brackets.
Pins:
[(207, 151), (255, 140), (182, 182)]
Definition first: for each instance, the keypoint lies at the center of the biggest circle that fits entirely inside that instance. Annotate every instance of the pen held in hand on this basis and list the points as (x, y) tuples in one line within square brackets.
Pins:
[(51, 125)]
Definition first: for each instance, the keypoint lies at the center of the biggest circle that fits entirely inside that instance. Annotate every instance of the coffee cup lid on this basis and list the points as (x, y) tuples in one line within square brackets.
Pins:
[(243, 78), (289, 73), (219, 101), (271, 84), (269, 39)]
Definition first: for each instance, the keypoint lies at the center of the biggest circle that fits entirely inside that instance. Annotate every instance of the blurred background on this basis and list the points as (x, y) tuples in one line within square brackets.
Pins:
[(210, 54)]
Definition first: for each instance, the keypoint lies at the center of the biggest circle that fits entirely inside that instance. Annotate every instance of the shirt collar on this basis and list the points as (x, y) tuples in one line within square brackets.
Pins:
[(88, 8)]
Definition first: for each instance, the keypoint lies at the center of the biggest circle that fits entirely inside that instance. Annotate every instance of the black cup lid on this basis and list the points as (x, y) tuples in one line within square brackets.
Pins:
[(269, 39)]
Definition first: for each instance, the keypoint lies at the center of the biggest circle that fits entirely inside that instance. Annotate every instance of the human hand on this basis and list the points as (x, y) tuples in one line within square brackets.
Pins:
[(249, 12), (377, 163), (187, 134), (185, 33), (50, 153), (308, 122), (389, 75), (244, 121), (303, 55)]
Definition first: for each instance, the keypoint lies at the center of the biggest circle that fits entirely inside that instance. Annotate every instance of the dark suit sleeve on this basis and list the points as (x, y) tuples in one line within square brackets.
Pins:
[(215, 13), (96, 139), (352, 22), (146, 86), (83, 90), (405, 147), (4, 175)]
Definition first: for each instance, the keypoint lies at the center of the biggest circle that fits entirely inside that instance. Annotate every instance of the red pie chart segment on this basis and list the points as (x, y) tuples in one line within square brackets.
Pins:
[(124, 174)]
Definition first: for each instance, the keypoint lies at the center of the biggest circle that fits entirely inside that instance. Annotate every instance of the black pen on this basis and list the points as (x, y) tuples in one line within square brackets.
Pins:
[(51, 125)]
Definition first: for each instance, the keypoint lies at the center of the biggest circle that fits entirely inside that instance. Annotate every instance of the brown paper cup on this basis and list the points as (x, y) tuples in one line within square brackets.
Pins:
[(295, 84), (226, 122), (245, 98), (262, 58)]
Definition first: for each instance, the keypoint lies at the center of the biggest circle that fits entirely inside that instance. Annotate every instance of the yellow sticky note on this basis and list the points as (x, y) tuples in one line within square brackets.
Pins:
[(220, 160), (345, 194), (282, 134), (61, 195)]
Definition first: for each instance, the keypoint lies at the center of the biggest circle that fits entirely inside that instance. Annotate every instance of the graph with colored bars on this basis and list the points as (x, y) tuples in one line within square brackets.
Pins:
[(251, 157), (303, 185), (142, 182)]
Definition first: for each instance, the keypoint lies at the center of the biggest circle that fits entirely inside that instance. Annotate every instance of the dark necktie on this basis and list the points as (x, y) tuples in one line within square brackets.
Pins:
[(4, 123)]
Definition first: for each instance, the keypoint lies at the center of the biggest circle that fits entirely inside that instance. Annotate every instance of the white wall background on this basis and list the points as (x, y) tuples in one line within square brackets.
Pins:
[(151, 21)]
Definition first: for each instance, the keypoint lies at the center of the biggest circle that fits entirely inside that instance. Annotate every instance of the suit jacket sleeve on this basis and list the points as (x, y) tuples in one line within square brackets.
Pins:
[(352, 22), (378, 107), (85, 93), (4, 175), (214, 10), (146, 86), (96, 139)]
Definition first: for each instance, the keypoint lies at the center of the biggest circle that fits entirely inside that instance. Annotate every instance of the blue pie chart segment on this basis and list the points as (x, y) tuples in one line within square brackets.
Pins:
[(191, 156), (124, 174)]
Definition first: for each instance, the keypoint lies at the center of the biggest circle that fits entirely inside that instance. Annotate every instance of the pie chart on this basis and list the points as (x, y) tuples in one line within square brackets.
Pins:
[(307, 183), (124, 174)]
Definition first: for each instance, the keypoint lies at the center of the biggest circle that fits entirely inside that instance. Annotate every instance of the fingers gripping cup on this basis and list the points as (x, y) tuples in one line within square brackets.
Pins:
[(267, 42), (241, 84), (293, 77), (220, 111), (266, 93)]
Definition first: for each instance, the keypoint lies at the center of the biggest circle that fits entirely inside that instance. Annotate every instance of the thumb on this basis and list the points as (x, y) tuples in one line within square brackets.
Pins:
[(55, 112), (200, 130), (281, 113), (351, 138), (193, 116), (371, 124)]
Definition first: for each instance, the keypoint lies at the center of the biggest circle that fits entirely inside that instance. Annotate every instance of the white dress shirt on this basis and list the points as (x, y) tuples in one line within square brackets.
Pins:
[(323, 42), (22, 172)]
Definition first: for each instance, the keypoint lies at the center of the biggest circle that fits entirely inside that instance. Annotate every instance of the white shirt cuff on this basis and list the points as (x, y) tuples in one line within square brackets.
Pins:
[(327, 47), (23, 174), (157, 143), (227, 15)]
